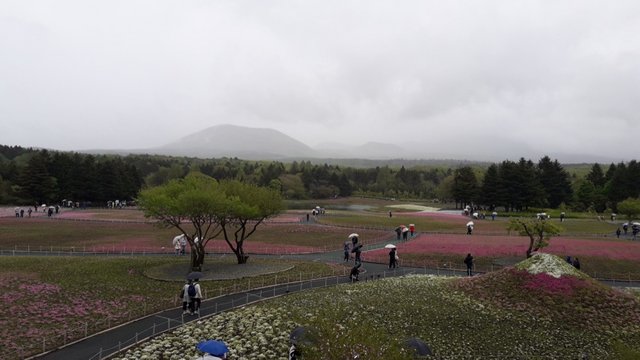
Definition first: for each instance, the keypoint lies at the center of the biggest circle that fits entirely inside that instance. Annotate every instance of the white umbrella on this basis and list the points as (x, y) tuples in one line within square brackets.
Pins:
[(389, 246), (635, 224), (353, 235), (405, 229), (470, 223)]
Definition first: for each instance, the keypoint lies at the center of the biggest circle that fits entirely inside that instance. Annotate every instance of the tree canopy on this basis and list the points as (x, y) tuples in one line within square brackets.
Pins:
[(202, 208), (630, 208), (539, 232)]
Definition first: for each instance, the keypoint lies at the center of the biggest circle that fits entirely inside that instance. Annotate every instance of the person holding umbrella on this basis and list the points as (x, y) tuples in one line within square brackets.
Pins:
[(354, 238), (357, 249), (469, 227), (405, 232)]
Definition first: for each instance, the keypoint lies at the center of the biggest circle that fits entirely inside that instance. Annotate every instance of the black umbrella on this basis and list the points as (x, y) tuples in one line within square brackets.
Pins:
[(194, 275), (420, 347)]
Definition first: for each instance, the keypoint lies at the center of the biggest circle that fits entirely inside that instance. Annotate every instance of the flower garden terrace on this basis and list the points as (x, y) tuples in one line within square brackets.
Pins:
[(297, 237)]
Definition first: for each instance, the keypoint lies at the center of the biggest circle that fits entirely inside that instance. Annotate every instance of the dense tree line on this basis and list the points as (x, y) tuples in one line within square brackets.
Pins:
[(29, 175), (42, 176)]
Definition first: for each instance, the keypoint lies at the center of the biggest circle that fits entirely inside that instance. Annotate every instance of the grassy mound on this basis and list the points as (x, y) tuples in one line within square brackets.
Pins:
[(550, 289)]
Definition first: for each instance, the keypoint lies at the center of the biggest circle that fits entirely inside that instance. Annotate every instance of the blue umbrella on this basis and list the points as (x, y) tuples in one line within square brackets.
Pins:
[(213, 347)]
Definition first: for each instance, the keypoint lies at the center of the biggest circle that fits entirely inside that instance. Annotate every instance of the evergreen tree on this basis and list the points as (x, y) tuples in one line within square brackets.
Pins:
[(555, 182), (490, 190), (465, 186), (596, 176)]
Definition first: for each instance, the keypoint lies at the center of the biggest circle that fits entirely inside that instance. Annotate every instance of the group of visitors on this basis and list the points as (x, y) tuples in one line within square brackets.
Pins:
[(191, 295), (180, 244), (635, 230), (403, 232)]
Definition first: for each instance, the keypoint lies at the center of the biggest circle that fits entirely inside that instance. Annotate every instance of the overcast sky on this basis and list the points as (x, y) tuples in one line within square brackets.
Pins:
[(495, 79)]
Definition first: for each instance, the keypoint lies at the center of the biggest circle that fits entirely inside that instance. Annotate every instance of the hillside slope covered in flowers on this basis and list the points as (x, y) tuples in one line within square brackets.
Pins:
[(513, 313)]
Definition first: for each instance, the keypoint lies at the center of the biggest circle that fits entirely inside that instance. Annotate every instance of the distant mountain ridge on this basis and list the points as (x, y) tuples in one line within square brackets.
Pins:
[(268, 144), (236, 141)]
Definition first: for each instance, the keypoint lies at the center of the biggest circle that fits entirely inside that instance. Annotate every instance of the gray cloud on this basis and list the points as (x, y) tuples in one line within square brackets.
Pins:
[(477, 79)]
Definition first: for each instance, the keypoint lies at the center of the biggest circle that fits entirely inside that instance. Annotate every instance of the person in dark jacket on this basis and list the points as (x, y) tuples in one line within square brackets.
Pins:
[(469, 262), (355, 272), (392, 259), (576, 263), (346, 251)]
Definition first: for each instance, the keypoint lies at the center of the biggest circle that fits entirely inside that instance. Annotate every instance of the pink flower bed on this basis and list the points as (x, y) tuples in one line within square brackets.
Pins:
[(32, 310), (543, 282), (484, 245)]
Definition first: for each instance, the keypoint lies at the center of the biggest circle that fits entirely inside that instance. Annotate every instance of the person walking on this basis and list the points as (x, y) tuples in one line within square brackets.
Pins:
[(346, 251), (176, 244), (197, 300), (184, 294), (358, 254), (183, 245), (469, 262), (618, 233), (392, 259)]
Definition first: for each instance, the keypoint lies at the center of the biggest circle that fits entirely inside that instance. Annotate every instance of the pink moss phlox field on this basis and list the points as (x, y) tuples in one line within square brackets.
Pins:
[(486, 245), (543, 282), (32, 310)]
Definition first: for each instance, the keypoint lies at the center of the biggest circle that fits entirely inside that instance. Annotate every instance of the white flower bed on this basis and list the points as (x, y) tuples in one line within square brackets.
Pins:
[(550, 264), (250, 333)]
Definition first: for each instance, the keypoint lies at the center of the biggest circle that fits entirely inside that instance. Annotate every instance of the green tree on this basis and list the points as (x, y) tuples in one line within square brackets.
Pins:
[(465, 186), (596, 176), (202, 208), (555, 181), (490, 186), (36, 182), (539, 232), (245, 208), (630, 208)]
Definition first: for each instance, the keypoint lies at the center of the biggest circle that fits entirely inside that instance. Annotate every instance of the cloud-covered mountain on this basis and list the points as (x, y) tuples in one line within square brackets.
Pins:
[(269, 144), (236, 141)]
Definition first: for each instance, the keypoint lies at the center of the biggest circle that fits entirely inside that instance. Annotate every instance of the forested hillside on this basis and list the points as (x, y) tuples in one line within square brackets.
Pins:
[(29, 176)]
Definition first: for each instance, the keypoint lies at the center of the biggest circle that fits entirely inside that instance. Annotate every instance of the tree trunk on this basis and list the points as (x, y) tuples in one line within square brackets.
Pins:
[(197, 257), (240, 255), (530, 246)]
